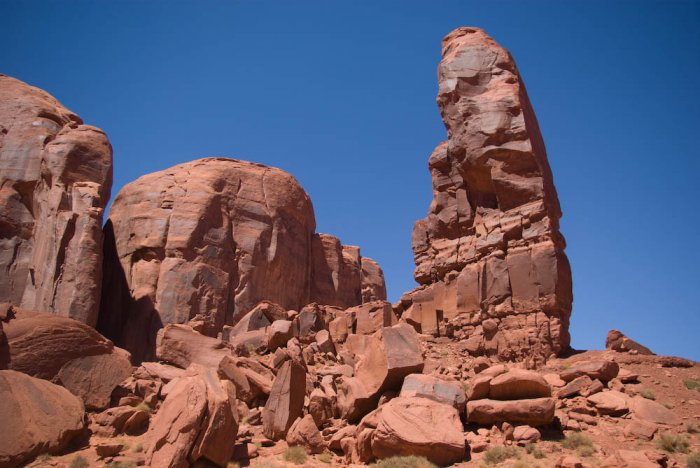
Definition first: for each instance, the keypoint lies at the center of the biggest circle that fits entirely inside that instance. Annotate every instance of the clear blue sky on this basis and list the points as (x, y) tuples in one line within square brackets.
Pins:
[(342, 95)]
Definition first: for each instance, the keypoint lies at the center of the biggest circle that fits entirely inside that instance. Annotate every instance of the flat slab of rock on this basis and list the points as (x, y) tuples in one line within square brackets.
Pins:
[(601, 370), (421, 427), (610, 402), (182, 346), (42, 417), (653, 412), (533, 412), (286, 401), (518, 384), (449, 392)]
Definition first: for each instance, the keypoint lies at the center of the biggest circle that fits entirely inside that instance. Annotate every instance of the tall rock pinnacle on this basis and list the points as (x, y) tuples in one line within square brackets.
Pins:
[(55, 181), (489, 255)]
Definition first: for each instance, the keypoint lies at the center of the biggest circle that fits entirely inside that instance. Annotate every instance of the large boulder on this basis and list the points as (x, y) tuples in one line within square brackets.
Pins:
[(652, 412), (518, 384), (67, 352), (182, 346), (385, 359), (372, 316), (55, 179), (211, 237), (286, 401), (197, 421), (534, 412), (618, 341), (490, 251), (304, 433), (37, 417), (449, 392), (596, 369), (421, 427)]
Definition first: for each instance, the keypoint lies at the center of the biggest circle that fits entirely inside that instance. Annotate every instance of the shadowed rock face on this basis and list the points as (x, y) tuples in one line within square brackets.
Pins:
[(490, 249), (215, 237), (55, 181)]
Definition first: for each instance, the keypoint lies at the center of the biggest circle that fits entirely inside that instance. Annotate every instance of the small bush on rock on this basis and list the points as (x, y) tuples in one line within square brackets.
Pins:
[(499, 454), (576, 440), (691, 384), (296, 455), (691, 428), (326, 456), (534, 450), (648, 394), (673, 443), (79, 462), (404, 462), (693, 460)]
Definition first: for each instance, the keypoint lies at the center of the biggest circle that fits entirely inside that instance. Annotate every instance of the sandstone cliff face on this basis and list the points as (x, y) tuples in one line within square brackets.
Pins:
[(489, 255), (214, 237), (55, 180)]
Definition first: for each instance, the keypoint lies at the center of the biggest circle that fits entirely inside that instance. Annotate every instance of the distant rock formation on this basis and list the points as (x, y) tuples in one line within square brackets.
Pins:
[(55, 181), (489, 256), (214, 237)]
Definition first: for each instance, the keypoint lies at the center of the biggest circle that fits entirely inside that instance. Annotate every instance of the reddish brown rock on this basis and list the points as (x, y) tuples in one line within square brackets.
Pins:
[(372, 316), (490, 248), (253, 381), (37, 417), (55, 179), (212, 237), (197, 421), (652, 412), (601, 370), (517, 384), (610, 402), (341, 276), (181, 345), (286, 401), (617, 341), (449, 392), (534, 412), (304, 433), (421, 427), (67, 352)]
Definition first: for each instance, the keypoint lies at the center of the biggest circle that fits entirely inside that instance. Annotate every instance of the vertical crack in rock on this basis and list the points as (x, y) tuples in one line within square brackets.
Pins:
[(493, 264)]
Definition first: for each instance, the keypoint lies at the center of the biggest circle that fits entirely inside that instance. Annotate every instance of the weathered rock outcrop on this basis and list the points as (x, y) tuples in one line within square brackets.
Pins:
[(489, 256), (55, 181), (214, 237), (67, 352), (37, 417)]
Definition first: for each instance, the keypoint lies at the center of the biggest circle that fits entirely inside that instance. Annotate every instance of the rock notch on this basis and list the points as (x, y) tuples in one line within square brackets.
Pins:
[(213, 238), (489, 256), (55, 181)]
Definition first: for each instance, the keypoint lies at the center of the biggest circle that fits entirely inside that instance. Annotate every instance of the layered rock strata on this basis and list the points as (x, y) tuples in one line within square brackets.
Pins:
[(213, 238), (489, 256), (55, 181)]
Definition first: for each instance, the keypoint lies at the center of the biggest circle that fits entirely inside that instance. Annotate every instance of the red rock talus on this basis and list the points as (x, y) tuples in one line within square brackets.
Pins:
[(55, 181), (215, 237), (489, 255)]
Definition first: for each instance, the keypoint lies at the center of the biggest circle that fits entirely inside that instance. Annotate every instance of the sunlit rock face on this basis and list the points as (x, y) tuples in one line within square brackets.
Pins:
[(55, 181), (213, 238), (489, 255)]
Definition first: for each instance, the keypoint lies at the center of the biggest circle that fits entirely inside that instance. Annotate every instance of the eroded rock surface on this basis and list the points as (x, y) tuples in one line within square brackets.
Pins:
[(213, 238), (55, 181), (489, 256)]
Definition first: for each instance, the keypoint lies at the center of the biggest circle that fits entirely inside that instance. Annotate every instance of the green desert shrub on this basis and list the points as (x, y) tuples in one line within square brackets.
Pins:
[(79, 462), (326, 456), (693, 461), (691, 384), (673, 443), (295, 454), (499, 454), (648, 394), (691, 428), (534, 450), (576, 440), (404, 462)]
